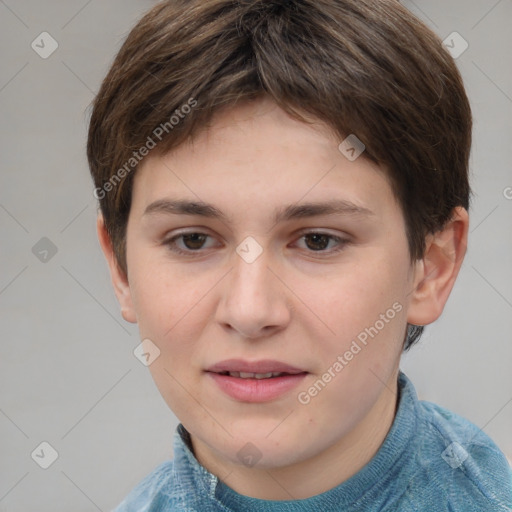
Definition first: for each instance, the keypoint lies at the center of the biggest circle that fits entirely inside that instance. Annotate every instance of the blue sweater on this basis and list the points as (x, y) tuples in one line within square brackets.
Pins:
[(431, 460)]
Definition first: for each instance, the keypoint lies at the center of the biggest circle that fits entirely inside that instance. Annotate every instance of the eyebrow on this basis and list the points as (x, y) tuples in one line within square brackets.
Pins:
[(289, 212)]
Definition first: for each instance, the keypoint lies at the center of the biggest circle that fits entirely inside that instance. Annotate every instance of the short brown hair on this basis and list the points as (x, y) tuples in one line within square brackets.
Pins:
[(363, 67)]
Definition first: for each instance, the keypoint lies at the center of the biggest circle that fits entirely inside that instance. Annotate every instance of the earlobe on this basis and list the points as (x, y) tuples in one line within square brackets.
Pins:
[(435, 274), (117, 275)]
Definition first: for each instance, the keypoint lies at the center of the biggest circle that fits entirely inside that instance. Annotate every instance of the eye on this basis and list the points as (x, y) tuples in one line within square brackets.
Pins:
[(319, 242), (193, 242)]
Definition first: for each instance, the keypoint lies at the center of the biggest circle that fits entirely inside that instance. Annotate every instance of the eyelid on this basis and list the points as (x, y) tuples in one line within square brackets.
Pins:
[(321, 231)]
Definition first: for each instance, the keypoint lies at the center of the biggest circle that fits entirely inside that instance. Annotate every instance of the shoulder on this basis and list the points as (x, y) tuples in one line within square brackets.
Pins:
[(156, 492), (461, 462)]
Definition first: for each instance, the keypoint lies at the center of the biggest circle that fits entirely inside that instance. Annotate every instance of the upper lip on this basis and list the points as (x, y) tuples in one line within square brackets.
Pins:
[(262, 366)]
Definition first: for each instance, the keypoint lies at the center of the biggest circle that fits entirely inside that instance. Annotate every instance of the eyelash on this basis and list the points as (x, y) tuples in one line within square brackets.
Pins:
[(171, 243)]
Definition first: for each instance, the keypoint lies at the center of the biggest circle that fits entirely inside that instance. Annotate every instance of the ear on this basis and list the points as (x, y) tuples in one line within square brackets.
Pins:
[(118, 277), (436, 272)]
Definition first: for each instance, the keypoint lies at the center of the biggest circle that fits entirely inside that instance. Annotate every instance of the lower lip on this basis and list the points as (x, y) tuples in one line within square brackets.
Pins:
[(256, 390)]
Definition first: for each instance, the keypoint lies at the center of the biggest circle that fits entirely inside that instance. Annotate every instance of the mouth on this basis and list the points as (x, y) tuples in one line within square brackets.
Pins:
[(248, 369), (258, 381), (258, 376)]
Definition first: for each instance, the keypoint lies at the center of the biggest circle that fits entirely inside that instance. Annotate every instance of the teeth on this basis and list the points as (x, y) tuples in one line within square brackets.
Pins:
[(247, 375)]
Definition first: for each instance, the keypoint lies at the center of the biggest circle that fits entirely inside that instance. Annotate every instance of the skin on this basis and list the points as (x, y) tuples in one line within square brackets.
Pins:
[(299, 302)]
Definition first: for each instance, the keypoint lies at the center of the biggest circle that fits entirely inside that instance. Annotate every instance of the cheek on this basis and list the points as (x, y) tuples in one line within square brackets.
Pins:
[(163, 295), (365, 310), (348, 302), (171, 314)]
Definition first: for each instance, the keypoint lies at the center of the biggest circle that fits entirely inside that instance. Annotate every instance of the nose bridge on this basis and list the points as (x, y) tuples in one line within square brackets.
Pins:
[(253, 299), (251, 261), (251, 277)]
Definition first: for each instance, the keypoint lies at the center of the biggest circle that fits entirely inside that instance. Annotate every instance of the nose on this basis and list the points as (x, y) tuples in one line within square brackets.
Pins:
[(254, 301)]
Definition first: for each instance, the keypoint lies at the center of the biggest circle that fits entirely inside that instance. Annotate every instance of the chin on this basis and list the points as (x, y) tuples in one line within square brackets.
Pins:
[(256, 448)]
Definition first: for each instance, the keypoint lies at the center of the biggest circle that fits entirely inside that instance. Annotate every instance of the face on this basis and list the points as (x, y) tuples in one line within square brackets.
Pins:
[(319, 291)]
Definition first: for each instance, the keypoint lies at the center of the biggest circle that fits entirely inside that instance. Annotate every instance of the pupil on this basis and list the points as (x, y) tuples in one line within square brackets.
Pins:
[(324, 241), (196, 238)]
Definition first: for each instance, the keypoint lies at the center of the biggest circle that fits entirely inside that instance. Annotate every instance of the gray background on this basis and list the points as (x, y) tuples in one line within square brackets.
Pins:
[(67, 372)]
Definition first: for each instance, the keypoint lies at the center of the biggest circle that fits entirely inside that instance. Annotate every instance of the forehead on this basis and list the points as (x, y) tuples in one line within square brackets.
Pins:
[(256, 157)]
